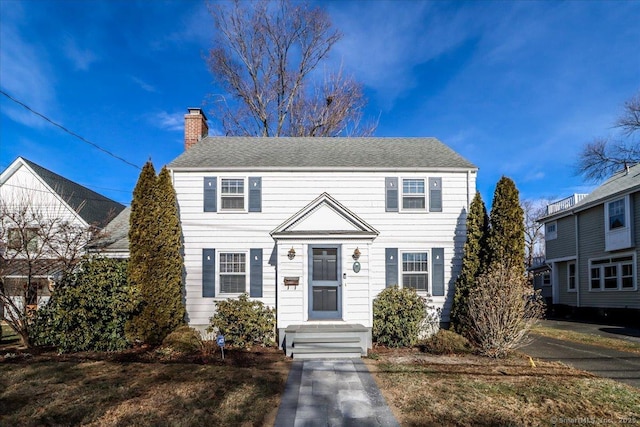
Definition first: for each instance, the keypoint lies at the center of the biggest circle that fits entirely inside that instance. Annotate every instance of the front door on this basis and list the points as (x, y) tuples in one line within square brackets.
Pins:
[(325, 284)]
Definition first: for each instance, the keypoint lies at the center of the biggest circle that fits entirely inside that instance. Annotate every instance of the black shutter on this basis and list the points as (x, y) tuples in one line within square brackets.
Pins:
[(435, 194), (255, 273), (255, 194), (391, 266), (437, 266), (210, 194), (391, 194), (208, 273)]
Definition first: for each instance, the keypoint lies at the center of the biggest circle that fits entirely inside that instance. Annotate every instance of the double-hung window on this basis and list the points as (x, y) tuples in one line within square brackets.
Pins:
[(571, 276), (617, 221), (415, 271), (232, 194), (551, 231), (413, 194), (613, 273), (616, 214), (233, 272)]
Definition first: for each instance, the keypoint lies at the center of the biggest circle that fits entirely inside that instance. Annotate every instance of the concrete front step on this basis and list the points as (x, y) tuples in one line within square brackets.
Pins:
[(326, 340), (326, 352)]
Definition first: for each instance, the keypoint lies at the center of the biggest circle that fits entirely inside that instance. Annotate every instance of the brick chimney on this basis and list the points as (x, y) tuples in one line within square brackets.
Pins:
[(195, 127)]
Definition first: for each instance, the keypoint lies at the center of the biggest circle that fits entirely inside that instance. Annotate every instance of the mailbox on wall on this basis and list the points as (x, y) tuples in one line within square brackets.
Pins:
[(291, 281)]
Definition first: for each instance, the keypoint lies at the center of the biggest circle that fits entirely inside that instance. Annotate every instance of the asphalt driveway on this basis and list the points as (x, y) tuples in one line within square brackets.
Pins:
[(608, 363)]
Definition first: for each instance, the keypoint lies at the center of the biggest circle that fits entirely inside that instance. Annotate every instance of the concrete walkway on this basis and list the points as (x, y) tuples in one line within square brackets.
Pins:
[(332, 392)]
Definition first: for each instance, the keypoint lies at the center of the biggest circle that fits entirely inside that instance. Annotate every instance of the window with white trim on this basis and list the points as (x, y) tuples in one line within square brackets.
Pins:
[(571, 276), (616, 214), (413, 195), (610, 274), (415, 271), (551, 231), (233, 272), (617, 223), (232, 194)]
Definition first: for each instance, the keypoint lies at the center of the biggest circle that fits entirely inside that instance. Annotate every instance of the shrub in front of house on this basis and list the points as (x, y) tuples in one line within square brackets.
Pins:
[(88, 310), (244, 322), (502, 309), (185, 340), (446, 342), (398, 317)]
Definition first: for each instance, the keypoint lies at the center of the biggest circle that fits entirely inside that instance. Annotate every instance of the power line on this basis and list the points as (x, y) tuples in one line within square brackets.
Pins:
[(68, 131)]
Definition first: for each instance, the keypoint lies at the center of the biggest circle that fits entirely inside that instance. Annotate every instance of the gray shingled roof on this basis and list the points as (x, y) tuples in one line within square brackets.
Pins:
[(92, 207), (115, 234), (320, 153), (624, 182)]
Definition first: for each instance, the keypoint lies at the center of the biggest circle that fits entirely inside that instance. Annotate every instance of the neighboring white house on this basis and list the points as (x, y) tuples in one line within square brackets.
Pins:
[(592, 245), (35, 205), (318, 227)]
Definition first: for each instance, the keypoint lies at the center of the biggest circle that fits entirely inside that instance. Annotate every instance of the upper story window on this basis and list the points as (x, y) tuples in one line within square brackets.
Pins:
[(613, 273), (413, 194), (233, 272), (232, 194), (551, 231), (415, 269), (616, 214), (617, 222)]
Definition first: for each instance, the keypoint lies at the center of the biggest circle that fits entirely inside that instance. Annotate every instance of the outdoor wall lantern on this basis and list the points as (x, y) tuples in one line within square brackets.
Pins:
[(356, 254), (291, 253)]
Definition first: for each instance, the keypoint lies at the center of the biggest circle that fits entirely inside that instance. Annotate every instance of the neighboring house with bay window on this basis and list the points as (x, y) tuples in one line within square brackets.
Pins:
[(318, 227), (592, 246)]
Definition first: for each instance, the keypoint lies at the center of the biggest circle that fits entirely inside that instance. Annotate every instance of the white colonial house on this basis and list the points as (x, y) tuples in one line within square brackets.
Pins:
[(318, 227)]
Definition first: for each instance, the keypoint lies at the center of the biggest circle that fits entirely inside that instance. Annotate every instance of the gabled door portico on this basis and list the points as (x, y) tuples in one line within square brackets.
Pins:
[(315, 250)]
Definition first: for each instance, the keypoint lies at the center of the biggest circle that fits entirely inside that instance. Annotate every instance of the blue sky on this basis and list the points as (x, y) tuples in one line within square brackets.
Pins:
[(515, 87)]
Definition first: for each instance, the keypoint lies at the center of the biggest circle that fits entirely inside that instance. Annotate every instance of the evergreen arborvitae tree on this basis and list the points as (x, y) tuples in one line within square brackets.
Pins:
[(473, 261), (168, 256), (155, 264), (506, 236)]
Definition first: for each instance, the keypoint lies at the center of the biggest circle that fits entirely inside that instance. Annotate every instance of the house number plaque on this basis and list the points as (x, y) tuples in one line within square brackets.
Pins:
[(356, 267)]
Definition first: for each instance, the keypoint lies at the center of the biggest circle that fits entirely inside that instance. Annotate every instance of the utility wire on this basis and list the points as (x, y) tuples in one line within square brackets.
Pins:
[(68, 131)]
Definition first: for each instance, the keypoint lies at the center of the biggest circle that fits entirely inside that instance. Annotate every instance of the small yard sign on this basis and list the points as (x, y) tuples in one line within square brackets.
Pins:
[(220, 341)]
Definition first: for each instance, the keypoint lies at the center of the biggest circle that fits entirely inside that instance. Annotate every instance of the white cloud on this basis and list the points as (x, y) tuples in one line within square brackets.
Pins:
[(144, 85), (80, 58), (172, 122), (24, 70), (384, 44)]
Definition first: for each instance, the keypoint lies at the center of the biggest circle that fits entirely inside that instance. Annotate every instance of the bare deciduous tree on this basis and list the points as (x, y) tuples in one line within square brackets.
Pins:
[(603, 157), (265, 57), (533, 230), (38, 243)]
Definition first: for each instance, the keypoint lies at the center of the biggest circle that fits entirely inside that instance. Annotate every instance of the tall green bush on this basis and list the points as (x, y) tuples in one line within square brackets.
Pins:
[(155, 268), (399, 316), (473, 261), (88, 310), (244, 322), (506, 237)]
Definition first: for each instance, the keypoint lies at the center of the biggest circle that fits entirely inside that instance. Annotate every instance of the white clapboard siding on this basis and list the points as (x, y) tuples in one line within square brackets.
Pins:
[(283, 195)]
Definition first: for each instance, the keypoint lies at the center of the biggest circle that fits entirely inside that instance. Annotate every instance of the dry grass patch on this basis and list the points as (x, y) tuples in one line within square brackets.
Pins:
[(425, 390), (592, 339), (125, 389)]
